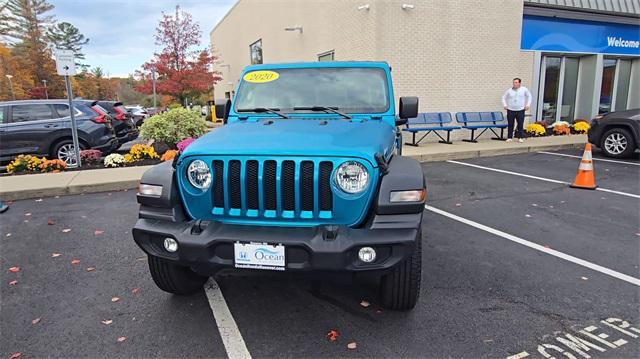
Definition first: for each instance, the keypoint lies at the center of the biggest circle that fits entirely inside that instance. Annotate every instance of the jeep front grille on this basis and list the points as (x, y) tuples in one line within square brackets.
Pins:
[(272, 189)]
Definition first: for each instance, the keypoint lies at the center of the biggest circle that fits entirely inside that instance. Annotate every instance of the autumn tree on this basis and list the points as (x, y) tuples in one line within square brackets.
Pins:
[(182, 70), (65, 36)]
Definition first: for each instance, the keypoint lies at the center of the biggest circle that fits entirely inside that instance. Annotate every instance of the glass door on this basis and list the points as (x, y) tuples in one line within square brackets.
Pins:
[(606, 89), (559, 79)]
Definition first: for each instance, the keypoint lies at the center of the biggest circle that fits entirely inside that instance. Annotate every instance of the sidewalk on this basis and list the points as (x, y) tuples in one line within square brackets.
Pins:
[(111, 179)]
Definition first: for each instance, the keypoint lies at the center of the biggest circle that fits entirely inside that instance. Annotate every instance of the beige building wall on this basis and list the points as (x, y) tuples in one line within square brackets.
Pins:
[(454, 55)]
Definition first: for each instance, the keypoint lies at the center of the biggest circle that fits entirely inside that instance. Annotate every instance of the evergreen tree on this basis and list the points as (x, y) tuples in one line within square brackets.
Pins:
[(65, 36)]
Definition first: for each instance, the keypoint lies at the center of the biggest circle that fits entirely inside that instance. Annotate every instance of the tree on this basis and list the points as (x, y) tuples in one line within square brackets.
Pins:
[(182, 71), (24, 25), (65, 36)]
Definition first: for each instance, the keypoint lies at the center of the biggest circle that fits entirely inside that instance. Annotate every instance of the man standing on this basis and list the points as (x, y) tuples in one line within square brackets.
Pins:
[(516, 101)]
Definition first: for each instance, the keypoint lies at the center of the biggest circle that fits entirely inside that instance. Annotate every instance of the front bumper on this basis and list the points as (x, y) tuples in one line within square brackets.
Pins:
[(210, 249), (594, 134)]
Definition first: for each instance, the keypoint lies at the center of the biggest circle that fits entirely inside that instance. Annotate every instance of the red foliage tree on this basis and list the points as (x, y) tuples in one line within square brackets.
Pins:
[(181, 71)]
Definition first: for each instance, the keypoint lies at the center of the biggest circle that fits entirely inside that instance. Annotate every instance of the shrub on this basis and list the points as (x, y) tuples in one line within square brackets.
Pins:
[(91, 157), (114, 160), (581, 127), (25, 163), (561, 129), (169, 155), (172, 126), (184, 143), (53, 166), (535, 130)]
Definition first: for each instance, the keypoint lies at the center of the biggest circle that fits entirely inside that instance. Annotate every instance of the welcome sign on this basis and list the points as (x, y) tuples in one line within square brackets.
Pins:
[(566, 35)]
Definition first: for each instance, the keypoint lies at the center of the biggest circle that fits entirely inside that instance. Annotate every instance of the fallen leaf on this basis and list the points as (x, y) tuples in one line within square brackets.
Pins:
[(56, 197), (378, 311), (534, 204), (121, 339), (551, 207), (39, 200), (144, 258), (109, 194), (547, 246), (115, 299), (98, 232), (584, 278), (83, 217), (90, 269), (75, 261), (66, 230), (26, 221), (51, 222), (458, 204), (365, 304), (135, 290), (352, 345), (54, 255), (13, 282), (14, 269), (15, 355), (35, 321), (527, 215), (332, 335), (8, 234), (125, 190), (106, 322), (27, 214)]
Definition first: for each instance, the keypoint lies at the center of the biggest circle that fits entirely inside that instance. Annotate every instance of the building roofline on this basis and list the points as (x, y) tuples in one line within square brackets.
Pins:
[(223, 18)]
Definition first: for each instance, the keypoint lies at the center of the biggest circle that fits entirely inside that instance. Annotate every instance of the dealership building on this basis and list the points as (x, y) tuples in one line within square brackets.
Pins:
[(577, 57)]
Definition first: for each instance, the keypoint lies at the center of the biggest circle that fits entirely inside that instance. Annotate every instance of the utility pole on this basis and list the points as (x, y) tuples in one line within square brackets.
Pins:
[(46, 93), (13, 94), (153, 76)]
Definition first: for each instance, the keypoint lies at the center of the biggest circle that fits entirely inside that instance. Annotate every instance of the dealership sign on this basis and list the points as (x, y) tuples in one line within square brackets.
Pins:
[(556, 34)]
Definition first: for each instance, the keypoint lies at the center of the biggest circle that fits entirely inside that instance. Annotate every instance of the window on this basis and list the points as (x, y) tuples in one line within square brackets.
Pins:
[(352, 90), (62, 110), (2, 115), (327, 56), (255, 50), (22, 113)]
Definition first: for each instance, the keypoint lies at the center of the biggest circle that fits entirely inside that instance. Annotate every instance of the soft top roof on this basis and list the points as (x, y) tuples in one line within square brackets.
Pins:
[(318, 64)]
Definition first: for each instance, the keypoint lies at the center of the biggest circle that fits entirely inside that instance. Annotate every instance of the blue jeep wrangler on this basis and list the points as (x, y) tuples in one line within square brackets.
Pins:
[(305, 175)]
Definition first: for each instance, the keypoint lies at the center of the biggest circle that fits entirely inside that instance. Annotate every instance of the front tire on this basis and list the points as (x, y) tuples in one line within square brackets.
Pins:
[(174, 278), (617, 143), (400, 289)]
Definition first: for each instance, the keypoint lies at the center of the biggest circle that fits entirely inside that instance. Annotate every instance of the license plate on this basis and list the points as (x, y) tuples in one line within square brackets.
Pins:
[(259, 256)]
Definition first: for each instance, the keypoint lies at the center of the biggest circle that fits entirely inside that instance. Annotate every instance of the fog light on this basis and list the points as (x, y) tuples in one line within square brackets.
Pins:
[(150, 190), (170, 245), (407, 196), (367, 254)]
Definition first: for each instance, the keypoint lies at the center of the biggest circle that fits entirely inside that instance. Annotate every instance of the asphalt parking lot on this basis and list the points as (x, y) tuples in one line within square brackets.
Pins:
[(512, 266)]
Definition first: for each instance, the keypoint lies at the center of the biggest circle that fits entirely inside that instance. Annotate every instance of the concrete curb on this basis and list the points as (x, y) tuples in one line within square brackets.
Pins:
[(113, 179)]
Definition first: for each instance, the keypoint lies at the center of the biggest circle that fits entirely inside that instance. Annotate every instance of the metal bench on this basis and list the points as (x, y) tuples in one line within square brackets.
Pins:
[(482, 120), (430, 122)]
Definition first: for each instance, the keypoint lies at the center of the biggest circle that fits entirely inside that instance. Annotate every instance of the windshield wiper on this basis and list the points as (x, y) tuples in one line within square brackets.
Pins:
[(324, 109), (273, 110)]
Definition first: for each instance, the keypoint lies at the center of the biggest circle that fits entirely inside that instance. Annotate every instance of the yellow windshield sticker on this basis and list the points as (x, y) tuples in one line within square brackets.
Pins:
[(259, 77)]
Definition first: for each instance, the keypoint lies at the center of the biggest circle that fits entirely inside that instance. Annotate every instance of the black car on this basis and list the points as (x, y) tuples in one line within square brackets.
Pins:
[(123, 123), (43, 128), (617, 134)]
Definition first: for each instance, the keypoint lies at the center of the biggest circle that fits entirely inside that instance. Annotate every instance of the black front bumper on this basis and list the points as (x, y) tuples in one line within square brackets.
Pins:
[(208, 249)]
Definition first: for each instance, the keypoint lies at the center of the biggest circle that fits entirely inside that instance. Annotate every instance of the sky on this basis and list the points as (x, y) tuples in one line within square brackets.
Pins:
[(122, 32)]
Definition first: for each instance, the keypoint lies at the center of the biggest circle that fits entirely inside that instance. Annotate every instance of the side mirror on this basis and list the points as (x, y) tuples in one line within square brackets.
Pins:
[(223, 107), (408, 109)]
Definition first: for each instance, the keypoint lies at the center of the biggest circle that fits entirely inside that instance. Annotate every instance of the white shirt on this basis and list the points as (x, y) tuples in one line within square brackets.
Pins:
[(516, 100)]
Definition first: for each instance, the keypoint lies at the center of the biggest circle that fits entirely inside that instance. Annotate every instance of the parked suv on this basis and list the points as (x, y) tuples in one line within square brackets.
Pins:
[(306, 175), (616, 133), (123, 123), (43, 128)]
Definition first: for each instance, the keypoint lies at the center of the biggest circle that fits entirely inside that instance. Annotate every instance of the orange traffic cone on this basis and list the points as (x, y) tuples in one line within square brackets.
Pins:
[(585, 177)]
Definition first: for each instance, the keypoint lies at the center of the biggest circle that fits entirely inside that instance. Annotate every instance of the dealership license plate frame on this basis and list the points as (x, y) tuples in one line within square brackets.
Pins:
[(248, 260)]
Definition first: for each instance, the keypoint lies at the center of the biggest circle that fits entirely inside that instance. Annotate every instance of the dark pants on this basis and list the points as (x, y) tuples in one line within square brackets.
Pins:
[(517, 116)]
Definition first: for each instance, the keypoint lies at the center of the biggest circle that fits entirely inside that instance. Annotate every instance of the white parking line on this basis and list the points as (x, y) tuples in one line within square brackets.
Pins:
[(596, 159), (539, 178), (537, 247), (229, 332)]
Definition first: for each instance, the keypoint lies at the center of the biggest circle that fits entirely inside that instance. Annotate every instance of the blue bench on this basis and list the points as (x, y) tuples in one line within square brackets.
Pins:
[(430, 122), (482, 121)]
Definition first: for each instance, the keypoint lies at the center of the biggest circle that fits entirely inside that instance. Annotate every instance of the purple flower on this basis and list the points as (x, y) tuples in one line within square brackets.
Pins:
[(182, 145)]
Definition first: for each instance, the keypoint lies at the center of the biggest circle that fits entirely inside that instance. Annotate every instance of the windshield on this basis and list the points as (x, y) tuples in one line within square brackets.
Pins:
[(351, 90)]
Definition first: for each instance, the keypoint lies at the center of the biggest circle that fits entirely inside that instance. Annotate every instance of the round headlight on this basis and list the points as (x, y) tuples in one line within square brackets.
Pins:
[(199, 175), (352, 177)]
